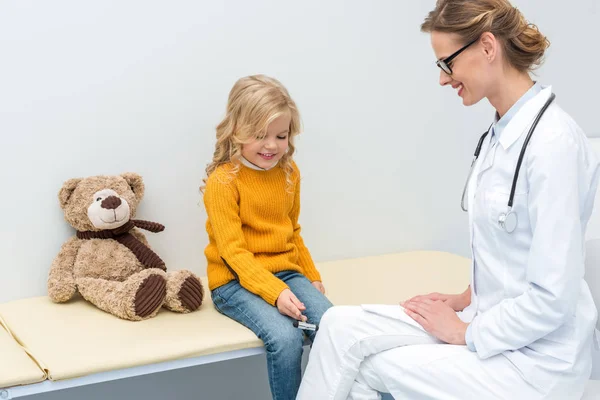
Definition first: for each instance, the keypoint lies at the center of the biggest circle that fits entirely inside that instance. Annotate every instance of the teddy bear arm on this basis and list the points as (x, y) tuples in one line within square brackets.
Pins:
[(140, 236), (61, 279)]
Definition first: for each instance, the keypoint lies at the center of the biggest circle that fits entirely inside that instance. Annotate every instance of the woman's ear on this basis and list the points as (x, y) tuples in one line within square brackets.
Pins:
[(64, 194), (490, 45), (136, 183)]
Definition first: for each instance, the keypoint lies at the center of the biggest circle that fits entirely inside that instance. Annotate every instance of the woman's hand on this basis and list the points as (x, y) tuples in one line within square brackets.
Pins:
[(457, 302), (437, 318), (319, 286), (288, 304)]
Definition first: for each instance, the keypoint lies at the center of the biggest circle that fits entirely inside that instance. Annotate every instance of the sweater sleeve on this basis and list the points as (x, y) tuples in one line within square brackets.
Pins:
[(221, 200), (305, 260)]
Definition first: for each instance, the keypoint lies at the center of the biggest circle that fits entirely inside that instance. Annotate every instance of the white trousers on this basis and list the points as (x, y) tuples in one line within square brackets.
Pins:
[(358, 354)]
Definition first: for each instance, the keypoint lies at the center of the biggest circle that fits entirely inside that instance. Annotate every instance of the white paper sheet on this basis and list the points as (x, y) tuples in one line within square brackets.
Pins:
[(393, 311)]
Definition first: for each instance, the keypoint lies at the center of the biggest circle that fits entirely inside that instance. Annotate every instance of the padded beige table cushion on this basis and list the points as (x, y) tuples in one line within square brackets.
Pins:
[(77, 339), (16, 367), (389, 279)]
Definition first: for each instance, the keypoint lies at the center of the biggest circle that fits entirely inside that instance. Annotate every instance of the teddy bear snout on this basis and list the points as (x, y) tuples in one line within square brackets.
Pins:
[(111, 203)]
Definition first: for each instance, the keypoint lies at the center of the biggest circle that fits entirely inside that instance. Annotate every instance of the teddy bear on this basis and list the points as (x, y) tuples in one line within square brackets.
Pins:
[(108, 261)]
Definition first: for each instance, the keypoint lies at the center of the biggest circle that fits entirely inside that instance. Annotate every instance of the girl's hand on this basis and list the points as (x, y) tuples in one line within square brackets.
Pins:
[(319, 286), (437, 318), (288, 304)]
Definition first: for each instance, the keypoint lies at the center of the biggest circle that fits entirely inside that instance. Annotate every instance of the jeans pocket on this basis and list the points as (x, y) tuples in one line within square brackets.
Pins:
[(217, 300), (224, 292)]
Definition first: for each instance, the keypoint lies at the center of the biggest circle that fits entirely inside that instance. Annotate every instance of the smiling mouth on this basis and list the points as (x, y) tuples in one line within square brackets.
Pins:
[(459, 87), (268, 156), (112, 222)]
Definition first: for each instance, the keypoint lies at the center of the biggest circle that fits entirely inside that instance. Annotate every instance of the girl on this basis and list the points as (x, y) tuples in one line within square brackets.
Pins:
[(260, 272), (524, 327)]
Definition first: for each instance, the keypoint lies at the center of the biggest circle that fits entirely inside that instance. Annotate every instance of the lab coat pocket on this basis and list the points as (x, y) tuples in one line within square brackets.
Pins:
[(498, 206), (509, 246)]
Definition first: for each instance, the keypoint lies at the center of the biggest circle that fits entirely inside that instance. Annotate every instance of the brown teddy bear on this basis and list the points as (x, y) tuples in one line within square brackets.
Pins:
[(108, 261)]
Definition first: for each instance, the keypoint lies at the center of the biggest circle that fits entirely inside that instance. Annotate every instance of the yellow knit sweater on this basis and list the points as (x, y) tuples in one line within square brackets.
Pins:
[(253, 230)]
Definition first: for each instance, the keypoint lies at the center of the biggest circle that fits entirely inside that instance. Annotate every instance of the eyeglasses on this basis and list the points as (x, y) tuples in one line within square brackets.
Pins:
[(444, 63)]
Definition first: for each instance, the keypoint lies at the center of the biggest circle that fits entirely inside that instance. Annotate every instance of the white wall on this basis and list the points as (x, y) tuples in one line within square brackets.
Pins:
[(106, 87)]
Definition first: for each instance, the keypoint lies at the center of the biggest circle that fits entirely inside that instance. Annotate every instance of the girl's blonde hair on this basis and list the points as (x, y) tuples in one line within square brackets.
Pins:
[(523, 44), (254, 102)]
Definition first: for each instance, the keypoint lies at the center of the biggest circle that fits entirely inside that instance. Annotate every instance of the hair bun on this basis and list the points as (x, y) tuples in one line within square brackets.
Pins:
[(526, 49)]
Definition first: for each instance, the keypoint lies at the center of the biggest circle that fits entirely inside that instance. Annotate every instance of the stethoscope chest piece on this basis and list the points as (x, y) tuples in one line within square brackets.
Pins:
[(508, 221)]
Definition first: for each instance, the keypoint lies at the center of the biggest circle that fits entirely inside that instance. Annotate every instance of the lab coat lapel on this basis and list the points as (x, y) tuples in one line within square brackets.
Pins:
[(524, 118), (488, 155)]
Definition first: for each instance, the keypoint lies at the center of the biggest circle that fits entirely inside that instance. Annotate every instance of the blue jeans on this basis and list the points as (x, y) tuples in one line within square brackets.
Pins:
[(283, 342)]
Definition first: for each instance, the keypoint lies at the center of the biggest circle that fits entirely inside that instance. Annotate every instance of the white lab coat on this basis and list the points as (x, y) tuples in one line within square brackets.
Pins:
[(533, 305), (532, 315)]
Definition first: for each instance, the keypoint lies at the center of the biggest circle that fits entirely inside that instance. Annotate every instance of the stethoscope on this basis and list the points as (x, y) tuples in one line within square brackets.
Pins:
[(508, 220)]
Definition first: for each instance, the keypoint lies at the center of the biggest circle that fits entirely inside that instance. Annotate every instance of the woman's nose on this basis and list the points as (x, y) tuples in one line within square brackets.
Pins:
[(444, 78)]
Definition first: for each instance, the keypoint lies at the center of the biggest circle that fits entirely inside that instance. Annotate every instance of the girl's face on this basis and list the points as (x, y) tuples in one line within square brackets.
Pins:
[(470, 70), (265, 152)]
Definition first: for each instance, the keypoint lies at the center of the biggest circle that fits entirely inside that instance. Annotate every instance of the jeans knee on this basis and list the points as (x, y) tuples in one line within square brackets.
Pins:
[(287, 343)]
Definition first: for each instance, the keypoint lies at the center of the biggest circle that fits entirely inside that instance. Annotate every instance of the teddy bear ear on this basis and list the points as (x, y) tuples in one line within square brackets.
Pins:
[(66, 191), (136, 183)]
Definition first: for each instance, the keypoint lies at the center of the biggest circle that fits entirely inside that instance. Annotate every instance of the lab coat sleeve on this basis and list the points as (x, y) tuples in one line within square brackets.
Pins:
[(555, 265), (469, 338)]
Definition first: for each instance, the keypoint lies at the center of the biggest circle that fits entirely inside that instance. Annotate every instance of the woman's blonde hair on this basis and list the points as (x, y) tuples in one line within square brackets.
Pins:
[(254, 102), (523, 44)]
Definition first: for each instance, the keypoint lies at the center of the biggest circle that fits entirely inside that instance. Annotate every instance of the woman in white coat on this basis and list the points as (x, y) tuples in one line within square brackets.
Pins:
[(524, 328)]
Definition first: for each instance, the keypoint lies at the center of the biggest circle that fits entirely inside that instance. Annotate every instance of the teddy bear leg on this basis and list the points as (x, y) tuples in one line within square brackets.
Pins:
[(184, 291), (137, 298)]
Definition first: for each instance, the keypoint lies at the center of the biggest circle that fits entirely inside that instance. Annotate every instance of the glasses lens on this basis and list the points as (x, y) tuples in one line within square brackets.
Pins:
[(445, 67)]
